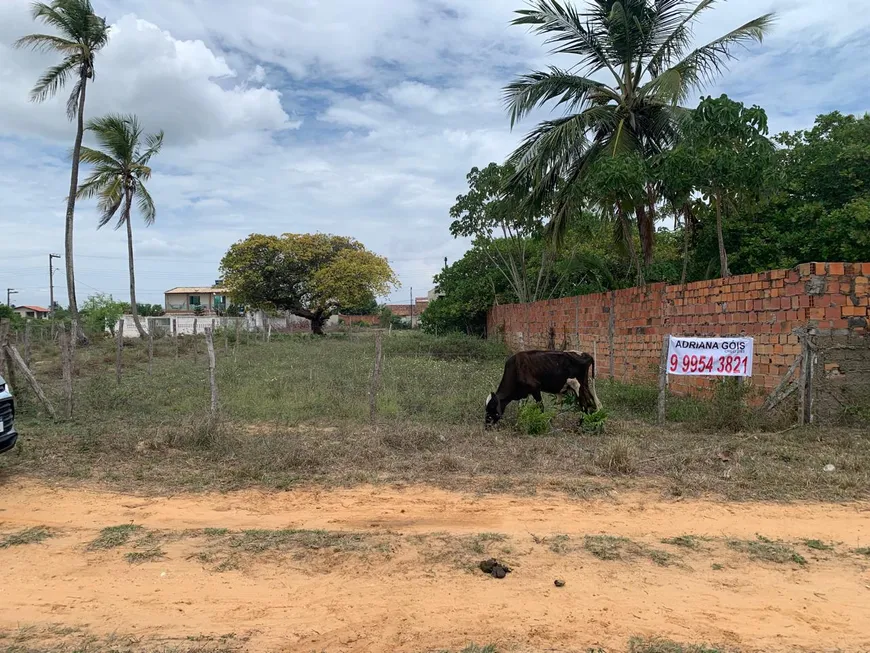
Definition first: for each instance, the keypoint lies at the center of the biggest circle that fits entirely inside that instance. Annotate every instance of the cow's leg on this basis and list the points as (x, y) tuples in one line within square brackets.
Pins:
[(536, 395)]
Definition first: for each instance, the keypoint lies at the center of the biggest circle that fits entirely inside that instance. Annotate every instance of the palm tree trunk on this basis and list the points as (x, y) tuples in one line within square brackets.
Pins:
[(723, 255), (687, 226), (134, 308), (646, 229), (70, 213), (629, 243)]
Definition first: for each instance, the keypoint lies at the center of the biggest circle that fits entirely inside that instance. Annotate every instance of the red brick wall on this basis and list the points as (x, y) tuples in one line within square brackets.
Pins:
[(626, 327)]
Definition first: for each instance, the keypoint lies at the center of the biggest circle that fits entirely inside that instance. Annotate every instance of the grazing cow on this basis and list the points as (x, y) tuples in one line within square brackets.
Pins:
[(554, 372)]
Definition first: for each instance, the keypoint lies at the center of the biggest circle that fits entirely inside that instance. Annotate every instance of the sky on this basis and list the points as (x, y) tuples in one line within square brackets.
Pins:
[(358, 119)]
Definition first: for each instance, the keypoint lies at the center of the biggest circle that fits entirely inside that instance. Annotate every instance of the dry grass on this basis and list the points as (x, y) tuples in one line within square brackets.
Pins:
[(768, 550), (296, 411), (33, 535)]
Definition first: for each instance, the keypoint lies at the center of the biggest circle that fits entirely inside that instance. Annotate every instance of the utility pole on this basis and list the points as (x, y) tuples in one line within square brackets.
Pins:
[(51, 283), (10, 291), (445, 264), (412, 307)]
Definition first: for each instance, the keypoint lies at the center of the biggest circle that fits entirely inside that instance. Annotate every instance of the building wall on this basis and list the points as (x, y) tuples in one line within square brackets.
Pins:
[(626, 327)]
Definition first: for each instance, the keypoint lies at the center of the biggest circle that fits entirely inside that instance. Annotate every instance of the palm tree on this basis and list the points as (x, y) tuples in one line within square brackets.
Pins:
[(80, 35), (120, 170), (642, 49)]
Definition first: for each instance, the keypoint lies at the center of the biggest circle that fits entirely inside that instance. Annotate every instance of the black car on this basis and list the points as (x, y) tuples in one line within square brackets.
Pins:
[(8, 435)]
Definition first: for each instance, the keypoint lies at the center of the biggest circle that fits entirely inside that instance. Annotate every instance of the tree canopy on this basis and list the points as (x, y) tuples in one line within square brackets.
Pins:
[(310, 275)]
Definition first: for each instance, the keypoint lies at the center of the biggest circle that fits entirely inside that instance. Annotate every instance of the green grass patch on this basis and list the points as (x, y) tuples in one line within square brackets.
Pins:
[(33, 535), (818, 545)]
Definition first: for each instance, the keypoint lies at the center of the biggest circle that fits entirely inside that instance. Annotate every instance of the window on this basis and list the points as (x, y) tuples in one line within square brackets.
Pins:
[(194, 300)]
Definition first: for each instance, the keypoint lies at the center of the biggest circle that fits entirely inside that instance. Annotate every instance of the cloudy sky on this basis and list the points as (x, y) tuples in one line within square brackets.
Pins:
[(359, 119)]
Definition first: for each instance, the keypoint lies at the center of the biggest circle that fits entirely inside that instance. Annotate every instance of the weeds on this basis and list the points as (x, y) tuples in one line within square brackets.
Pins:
[(149, 555), (617, 456), (610, 547), (818, 545), (767, 550), (640, 645), (531, 420), (686, 541), (863, 551), (115, 536), (34, 535)]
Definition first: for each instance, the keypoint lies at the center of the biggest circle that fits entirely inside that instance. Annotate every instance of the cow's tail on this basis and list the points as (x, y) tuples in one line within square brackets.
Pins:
[(592, 387)]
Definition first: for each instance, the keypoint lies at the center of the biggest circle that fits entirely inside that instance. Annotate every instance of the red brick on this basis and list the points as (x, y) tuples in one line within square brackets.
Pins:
[(836, 268), (865, 269), (832, 313)]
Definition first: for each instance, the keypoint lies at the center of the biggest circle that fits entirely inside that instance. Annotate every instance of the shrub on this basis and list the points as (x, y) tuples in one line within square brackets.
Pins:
[(534, 421)]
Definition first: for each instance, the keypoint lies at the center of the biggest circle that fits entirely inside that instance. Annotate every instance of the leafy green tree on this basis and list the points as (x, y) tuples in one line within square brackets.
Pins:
[(468, 288), (101, 312), (643, 49), (310, 275), (80, 34), (369, 306), (503, 229), (121, 169), (729, 157)]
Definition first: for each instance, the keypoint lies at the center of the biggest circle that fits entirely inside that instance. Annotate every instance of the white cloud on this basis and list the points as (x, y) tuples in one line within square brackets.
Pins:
[(299, 115)]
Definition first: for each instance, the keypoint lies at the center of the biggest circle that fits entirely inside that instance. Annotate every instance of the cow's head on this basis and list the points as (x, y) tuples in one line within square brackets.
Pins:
[(493, 410)]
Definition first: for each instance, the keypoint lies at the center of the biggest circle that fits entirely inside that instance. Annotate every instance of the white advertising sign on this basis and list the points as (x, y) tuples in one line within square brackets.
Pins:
[(710, 356)]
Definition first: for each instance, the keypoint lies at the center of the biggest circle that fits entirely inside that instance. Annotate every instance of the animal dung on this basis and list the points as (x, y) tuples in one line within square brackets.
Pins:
[(495, 568), (559, 582)]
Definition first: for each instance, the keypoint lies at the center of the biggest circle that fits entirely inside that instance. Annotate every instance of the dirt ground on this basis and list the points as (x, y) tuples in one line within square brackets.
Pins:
[(415, 588)]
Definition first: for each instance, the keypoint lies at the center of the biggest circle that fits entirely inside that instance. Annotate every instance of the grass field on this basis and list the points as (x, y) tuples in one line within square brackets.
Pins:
[(296, 410)]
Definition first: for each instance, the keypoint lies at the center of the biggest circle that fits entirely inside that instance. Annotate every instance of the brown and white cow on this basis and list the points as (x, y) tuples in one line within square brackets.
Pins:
[(554, 372)]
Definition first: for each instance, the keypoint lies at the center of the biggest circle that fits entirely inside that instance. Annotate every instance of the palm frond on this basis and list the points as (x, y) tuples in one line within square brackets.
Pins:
[(674, 33), (568, 33), (118, 134), (537, 88), (111, 195), (97, 158), (53, 79), (54, 15), (153, 143), (48, 43), (703, 65), (72, 102), (146, 205), (94, 184)]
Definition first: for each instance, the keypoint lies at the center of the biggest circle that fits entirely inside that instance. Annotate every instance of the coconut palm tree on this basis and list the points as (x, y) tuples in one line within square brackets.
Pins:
[(80, 35), (120, 170), (641, 49)]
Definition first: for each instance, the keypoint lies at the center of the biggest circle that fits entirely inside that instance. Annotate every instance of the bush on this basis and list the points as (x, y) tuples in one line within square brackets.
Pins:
[(594, 422), (534, 421)]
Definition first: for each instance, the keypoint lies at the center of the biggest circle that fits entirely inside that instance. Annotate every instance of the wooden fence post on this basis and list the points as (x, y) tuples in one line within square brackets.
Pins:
[(376, 376), (150, 322), (805, 382), (236, 343), (5, 365), (14, 357), (27, 343), (174, 321), (663, 379), (226, 326), (209, 344), (67, 337), (120, 350), (269, 332), (195, 346)]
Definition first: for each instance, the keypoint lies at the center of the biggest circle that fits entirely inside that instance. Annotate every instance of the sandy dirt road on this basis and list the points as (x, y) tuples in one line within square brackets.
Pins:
[(407, 594)]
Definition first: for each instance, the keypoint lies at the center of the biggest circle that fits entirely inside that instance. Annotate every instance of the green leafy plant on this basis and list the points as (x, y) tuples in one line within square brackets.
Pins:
[(594, 422), (534, 421)]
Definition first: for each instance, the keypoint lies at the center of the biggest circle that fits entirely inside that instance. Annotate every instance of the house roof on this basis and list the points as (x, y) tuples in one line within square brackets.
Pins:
[(37, 309), (185, 290)]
